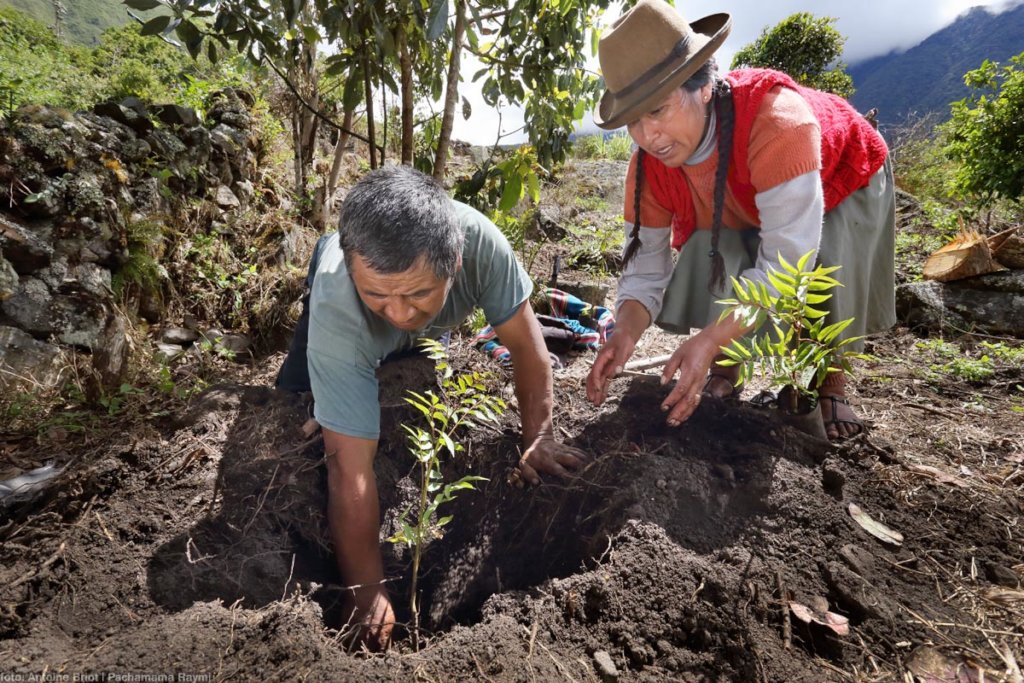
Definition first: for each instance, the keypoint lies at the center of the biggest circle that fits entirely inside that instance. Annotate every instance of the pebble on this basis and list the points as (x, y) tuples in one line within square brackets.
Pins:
[(662, 483), (605, 666)]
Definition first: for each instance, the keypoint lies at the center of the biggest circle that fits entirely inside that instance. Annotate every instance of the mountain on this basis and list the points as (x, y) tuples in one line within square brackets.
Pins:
[(85, 19), (929, 76)]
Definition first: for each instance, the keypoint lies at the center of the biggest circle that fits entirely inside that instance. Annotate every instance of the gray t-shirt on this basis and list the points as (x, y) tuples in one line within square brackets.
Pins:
[(347, 342)]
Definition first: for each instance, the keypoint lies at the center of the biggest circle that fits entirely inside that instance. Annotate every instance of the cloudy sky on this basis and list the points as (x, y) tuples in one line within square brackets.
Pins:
[(871, 27)]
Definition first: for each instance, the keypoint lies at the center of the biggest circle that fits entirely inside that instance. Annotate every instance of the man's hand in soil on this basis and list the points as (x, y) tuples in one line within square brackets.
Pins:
[(549, 456), (375, 617)]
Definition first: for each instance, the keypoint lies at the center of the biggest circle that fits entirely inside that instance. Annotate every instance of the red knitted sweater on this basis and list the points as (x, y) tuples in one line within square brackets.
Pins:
[(851, 150)]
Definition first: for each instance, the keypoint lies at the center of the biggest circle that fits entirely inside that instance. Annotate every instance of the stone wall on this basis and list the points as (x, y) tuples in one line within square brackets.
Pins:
[(71, 188)]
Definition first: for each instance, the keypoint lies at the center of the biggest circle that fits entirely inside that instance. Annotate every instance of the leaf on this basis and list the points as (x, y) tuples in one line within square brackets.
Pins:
[(155, 25), (187, 31), (876, 529), (438, 20), (836, 622), (142, 4), (512, 192), (938, 475)]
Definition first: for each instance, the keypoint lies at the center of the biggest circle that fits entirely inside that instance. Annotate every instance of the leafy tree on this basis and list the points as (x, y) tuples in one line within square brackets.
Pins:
[(986, 133), (806, 48), (532, 51)]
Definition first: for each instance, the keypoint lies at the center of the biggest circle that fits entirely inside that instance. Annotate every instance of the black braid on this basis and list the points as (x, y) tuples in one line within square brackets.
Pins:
[(634, 236), (726, 121)]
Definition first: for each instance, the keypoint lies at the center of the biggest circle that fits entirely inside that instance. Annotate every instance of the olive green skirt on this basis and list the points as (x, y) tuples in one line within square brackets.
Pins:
[(858, 235)]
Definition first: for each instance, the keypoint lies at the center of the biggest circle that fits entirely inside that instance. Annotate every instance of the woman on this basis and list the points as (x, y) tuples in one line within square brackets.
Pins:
[(805, 173)]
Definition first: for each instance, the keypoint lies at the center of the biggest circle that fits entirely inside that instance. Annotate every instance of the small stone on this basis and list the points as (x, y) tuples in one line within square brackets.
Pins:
[(226, 199), (662, 483), (832, 478), (236, 344), (605, 666), (169, 352), (179, 335), (859, 560), (1002, 576)]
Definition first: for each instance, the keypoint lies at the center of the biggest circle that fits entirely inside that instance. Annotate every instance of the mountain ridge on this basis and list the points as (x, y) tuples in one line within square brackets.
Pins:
[(926, 78)]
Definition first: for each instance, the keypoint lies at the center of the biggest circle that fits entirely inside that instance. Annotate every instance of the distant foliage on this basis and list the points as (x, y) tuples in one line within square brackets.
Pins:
[(36, 68), (616, 147), (986, 133), (806, 48)]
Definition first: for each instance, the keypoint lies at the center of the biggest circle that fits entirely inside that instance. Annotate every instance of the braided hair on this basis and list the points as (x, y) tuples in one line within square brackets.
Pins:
[(726, 116), (634, 235)]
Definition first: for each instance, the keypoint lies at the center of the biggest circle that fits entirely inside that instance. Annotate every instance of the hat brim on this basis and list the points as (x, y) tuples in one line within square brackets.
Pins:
[(614, 112)]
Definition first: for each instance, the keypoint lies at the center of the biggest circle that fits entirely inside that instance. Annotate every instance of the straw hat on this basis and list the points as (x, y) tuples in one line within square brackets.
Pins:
[(649, 51)]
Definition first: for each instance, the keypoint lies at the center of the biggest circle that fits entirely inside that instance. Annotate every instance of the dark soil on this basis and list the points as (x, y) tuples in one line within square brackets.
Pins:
[(195, 543)]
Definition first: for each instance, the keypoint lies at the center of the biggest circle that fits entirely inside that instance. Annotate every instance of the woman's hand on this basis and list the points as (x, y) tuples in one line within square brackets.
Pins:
[(691, 360), (610, 361)]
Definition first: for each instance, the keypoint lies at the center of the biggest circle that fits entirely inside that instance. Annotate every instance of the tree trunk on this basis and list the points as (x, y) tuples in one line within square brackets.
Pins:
[(405, 60), (451, 91), (339, 153), (370, 128)]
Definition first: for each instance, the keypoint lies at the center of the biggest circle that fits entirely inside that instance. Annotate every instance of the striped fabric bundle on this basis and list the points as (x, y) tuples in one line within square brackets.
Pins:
[(586, 326)]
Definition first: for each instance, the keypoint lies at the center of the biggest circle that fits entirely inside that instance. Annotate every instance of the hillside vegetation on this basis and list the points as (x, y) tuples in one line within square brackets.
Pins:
[(84, 21)]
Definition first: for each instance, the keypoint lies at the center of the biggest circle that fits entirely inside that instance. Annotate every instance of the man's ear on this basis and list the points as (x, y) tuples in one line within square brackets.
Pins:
[(458, 264)]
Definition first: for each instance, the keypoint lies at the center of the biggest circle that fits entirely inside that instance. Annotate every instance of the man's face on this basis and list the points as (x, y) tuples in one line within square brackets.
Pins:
[(407, 300)]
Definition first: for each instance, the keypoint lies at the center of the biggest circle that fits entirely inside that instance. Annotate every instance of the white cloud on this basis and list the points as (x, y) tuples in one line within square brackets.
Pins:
[(872, 27)]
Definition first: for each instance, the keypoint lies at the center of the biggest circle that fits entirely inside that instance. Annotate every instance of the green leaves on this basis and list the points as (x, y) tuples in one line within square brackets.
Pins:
[(984, 133), (807, 48), (799, 348), (438, 19)]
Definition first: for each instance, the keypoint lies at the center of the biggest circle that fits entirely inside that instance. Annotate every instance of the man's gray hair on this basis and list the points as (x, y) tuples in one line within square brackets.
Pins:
[(396, 215)]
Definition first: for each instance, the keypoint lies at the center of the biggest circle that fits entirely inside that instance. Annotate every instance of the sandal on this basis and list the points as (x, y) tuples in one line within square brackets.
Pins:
[(835, 421), (734, 392)]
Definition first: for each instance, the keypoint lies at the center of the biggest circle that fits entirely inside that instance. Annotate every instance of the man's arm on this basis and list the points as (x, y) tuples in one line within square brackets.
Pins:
[(353, 514), (531, 371)]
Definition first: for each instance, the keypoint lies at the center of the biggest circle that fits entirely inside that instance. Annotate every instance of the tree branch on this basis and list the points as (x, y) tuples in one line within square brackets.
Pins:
[(316, 112)]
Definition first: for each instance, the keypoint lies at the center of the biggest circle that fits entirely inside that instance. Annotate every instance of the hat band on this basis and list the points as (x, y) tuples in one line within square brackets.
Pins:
[(678, 51)]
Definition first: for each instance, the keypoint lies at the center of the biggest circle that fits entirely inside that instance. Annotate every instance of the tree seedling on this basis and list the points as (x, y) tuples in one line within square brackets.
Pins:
[(800, 349), (463, 402)]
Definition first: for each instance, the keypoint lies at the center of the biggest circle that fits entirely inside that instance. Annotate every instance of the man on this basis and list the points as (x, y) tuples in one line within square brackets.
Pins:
[(407, 262)]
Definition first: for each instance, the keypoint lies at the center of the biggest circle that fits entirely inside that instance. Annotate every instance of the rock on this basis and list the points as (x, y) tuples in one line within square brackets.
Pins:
[(109, 357), (8, 279), (27, 362), (27, 249), (993, 304), (235, 344), (181, 336), (606, 668), (856, 594), (1003, 576), (125, 115), (226, 199), (176, 115), (545, 225), (832, 479), (168, 352), (858, 559)]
